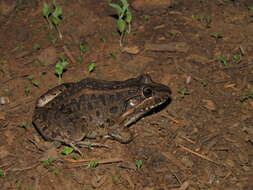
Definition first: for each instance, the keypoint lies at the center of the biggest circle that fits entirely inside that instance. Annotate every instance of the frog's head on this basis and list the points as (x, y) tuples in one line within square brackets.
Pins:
[(149, 95)]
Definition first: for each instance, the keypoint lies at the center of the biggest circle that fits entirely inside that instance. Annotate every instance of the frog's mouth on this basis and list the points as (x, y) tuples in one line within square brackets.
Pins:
[(134, 114)]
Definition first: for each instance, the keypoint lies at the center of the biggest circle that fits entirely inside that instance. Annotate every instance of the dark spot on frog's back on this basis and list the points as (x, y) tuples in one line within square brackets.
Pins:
[(102, 98), (90, 107), (114, 109), (97, 113)]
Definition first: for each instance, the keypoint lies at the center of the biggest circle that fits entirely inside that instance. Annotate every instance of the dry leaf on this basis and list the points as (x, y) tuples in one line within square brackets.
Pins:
[(209, 105)]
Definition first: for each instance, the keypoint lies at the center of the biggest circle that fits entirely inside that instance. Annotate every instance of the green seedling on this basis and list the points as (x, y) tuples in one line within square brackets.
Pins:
[(53, 16), (138, 164), (250, 7), (79, 59), (216, 35), (93, 164), (36, 46), (173, 33), (236, 58), (223, 60), (48, 162), (115, 179), (18, 185), (103, 39), (146, 18), (42, 73), (248, 94), (183, 92), (112, 55), (60, 67), (1, 70), (56, 171), (83, 48), (67, 150), (2, 173), (24, 124), (33, 82), (124, 18), (7, 92), (46, 13), (91, 67)]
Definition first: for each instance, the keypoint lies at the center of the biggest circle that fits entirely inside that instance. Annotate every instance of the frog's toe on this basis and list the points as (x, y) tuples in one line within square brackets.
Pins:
[(75, 148)]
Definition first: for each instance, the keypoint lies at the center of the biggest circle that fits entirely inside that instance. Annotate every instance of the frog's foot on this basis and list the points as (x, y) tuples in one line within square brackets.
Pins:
[(72, 145), (121, 135)]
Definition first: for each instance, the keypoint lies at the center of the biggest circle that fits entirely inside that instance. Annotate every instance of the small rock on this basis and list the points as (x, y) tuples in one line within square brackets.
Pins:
[(148, 5), (4, 100), (48, 56), (131, 50)]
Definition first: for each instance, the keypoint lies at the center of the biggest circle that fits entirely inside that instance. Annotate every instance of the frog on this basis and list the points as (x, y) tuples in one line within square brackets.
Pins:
[(72, 112)]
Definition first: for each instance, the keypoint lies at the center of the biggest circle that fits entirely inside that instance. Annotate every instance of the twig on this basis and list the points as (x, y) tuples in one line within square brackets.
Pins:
[(86, 161), (24, 168), (184, 186), (69, 54), (200, 155)]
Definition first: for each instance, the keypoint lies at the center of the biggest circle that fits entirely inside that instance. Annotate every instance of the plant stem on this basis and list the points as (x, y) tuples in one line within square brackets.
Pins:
[(59, 32)]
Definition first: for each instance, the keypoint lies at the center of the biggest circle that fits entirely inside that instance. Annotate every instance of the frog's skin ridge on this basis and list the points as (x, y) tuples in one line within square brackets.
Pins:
[(71, 112)]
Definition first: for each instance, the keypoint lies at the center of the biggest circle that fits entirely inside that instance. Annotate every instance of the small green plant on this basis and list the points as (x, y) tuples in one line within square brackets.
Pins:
[(138, 164), (36, 46), (33, 81), (248, 94), (124, 18), (236, 58), (7, 92), (67, 150), (93, 164), (24, 124), (48, 162), (146, 18), (173, 33), (18, 185), (56, 171), (183, 92), (1, 69), (83, 48), (42, 73), (250, 7), (216, 35), (2, 173), (91, 67), (115, 179), (60, 67), (53, 16), (223, 60)]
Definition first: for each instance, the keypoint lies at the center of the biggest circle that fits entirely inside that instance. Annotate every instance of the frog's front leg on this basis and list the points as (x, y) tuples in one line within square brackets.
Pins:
[(120, 134)]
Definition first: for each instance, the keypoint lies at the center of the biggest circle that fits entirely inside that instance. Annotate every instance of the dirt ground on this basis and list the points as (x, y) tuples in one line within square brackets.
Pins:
[(201, 49)]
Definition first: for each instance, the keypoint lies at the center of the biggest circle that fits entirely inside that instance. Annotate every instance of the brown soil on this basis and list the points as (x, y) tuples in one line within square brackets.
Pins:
[(202, 140)]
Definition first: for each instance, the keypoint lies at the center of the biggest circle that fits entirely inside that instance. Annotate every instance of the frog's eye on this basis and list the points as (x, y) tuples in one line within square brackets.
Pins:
[(147, 92)]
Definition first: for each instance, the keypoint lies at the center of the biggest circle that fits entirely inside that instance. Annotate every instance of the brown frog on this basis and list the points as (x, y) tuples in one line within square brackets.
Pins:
[(90, 108)]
